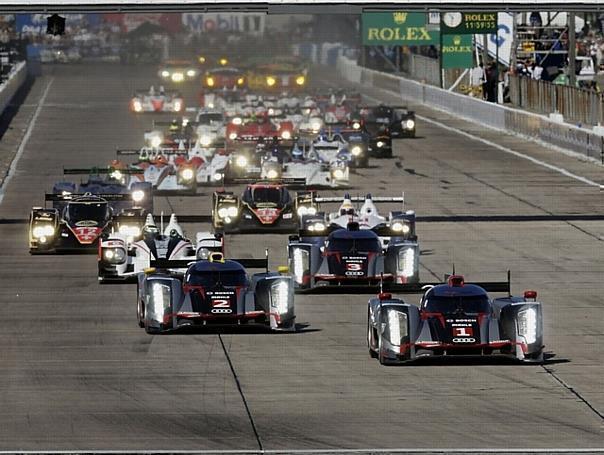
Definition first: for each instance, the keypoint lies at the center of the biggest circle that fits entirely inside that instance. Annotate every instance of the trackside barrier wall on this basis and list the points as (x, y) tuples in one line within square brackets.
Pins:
[(570, 137), (15, 80)]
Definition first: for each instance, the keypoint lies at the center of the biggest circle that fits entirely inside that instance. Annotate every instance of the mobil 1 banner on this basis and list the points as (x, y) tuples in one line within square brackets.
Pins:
[(247, 23)]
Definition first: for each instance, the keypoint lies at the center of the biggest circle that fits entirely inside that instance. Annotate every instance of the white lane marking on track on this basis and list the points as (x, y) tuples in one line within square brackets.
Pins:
[(558, 169), (25, 140)]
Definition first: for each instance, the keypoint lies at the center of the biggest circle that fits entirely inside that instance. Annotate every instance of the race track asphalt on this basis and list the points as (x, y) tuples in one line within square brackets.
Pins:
[(76, 372)]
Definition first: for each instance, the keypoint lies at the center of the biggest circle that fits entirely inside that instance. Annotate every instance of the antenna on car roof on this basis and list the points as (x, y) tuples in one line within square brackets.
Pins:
[(509, 283), (266, 255), (453, 269)]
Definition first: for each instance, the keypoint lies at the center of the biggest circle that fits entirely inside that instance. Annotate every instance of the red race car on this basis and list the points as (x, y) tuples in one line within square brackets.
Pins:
[(257, 126)]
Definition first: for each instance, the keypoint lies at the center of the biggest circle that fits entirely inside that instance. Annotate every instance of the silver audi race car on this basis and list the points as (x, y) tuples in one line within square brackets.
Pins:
[(214, 291), (456, 319)]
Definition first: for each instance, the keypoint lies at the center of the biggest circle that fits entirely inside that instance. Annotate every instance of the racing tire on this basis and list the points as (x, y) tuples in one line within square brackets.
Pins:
[(152, 330)]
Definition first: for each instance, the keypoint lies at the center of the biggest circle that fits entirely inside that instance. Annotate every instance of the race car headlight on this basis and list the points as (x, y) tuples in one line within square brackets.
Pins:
[(300, 80), (409, 124), (406, 262), (210, 81), (356, 150), (316, 227), (114, 255), (306, 210), (138, 195), (281, 295), (338, 174), (286, 135), (205, 140), (155, 141), (129, 231), (160, 301), (201, 59), (396, 326), (240, 81), (165, 73), (241, 161), (232, 136), (228, 211), (117, 174), (236, 121), (299, 264), (400, 227), (191, 73), (272, 174), (137, 106), (177, 77), (217, 177), (356, 125), (203, 253), (223, 61), (380, 144), (527, 325), (187, 174), (177, 106), (43, 231), (270, 81), (315, 126)]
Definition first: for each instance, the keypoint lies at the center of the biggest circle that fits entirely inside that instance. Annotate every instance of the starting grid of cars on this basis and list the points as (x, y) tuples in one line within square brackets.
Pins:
[(284, 148)]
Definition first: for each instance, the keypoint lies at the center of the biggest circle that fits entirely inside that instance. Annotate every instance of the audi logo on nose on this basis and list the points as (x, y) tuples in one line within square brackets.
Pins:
[(464, 340), (222, 310)]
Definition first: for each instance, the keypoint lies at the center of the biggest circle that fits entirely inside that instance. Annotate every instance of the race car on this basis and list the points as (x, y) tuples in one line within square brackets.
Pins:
[(302, 165), (171, 134), (168, 170), (278, 77), (214, 291), (210, 127), (114, 179), (264, 206), (134, 243), (156, 101), (224, 78), (326, 255), (358, 144), (455, 319), (177, 71), (74, 227), (255, 126)]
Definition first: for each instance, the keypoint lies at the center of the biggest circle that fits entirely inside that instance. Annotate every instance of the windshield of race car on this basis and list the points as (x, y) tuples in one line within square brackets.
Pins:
[(371, 245), (268, 195), (452, 304), (87, 211), (212, 278)]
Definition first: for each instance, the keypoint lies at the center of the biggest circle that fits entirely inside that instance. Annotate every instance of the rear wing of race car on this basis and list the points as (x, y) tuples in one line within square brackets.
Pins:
[(185, 263), (286, 181), (110, 197), (361, 199), (151, 153), (99, 170), (275, 139)]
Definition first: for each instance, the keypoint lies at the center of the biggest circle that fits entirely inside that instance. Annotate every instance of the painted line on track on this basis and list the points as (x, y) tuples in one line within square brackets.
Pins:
[(549, 166), (30, 127)]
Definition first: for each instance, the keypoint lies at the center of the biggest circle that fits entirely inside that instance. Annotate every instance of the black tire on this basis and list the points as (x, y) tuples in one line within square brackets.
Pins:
[(152, 330), (372, 353)]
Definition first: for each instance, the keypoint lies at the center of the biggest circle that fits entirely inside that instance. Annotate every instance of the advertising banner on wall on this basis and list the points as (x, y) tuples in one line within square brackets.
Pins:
[(456, 23), (250, 23), (397, 28), (457, 51)]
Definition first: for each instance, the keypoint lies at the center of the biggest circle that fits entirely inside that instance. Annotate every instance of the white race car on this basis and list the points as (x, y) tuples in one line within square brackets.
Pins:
[(122, 259), (156, 101)]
